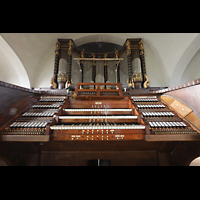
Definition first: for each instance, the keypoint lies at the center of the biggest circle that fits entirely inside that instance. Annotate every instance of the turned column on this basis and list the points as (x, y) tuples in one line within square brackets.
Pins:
[(117, 67), (81, 65), (143, 66), (118, 73), (130, 71), (93, 69), (54, 82), (69, 62), (105, 69)]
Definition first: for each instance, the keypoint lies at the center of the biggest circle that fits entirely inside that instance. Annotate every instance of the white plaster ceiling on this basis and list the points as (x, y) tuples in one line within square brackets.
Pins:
[(167, 55)]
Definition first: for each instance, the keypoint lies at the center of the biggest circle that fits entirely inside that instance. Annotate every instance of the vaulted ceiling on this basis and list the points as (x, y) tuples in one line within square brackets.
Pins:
[(27, 59)]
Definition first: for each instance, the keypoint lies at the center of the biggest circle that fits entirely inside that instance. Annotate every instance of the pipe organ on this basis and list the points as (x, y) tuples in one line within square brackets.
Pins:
[(100, 121), (132, 48)]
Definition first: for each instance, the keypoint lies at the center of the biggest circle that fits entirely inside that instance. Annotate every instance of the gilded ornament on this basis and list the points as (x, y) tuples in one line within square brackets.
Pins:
[(93, 55), (62, 77), (128, 47), (105, 56), (57, 47), (52, 83), (137, 77), (141, 47), (82, 55), (146, 83), (117, 56), (130, 83), (74, 96), (70, 47)]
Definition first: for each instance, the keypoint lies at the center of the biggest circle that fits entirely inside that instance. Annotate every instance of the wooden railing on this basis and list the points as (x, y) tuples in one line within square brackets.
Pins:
[(98, 91), (181, 86)]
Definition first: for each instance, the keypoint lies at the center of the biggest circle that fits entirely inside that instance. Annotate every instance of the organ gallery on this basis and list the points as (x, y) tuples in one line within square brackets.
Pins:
[(99, 109)]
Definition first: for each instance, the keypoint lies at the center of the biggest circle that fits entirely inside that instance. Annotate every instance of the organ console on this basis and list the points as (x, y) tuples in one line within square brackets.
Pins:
[(161, 119), (100, 121), (119, 124)]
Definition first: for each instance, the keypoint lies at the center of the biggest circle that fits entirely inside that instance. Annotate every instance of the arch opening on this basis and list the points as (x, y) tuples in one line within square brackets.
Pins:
[(12, 69), (195, 162), (184, 61), (97, 38)]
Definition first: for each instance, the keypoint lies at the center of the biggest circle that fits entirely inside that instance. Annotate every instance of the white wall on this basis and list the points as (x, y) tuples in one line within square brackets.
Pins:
[(11, 68), (33, 60), (192, 71)]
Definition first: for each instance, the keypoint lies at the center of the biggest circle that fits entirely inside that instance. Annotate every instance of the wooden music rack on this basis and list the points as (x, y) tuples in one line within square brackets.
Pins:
[(98, 92)]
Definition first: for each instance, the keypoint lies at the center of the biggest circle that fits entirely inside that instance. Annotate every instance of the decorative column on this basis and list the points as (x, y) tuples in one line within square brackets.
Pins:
[(130, 71), (145, 78), (54, 82), (82, 64), (69, 62), (117, 67), (105, 69), (118, 73), (93, 69)]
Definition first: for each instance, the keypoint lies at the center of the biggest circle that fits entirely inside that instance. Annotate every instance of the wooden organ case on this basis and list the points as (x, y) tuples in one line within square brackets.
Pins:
[(99, 121), (156, 128)]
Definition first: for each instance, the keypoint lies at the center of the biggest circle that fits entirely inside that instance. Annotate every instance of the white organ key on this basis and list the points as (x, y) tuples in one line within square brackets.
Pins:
[(169, 124), (147, 114), (151, 124), (162, 124), (159, 124), (165, 114), (179, 124), (166, 125), (155, 124), (100, 109), (173, 124), (154, 113), (160, 114), (99, 117), (99, 127), (183, 124)]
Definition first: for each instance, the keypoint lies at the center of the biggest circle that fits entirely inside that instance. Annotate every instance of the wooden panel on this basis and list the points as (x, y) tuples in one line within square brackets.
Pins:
[(25, 138), (117, 158), (123, 103), (119, 94), (128, 145), (187, 113), (192, 117), (125, 135), (189, 96), (172, 137), (12, 102), (168, 99), (180, 108)]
